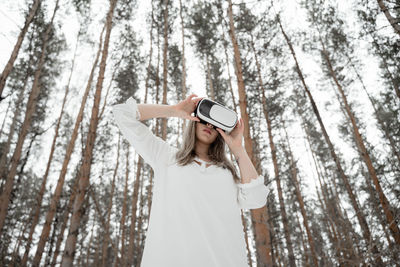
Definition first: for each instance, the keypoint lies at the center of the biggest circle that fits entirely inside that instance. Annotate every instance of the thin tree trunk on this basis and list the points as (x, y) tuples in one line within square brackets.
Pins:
[(358, 211), (89, 245), (184, 93), (30, 110), (60, 183), (396, 85), (124, 207), (93, 194), (365, 155), (289, 244), (18, 106), (49, 161), (14, 54), (300, 199), (84, 171), (132, 232), (140, 223), (165, 68), (4, 123), (259, 216), (183, 52), (105, 243), (150, 54), (385, 130), (64, 218), (394, 22)]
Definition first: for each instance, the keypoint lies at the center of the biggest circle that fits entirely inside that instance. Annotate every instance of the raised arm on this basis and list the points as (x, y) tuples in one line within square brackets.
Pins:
[(153, 149)]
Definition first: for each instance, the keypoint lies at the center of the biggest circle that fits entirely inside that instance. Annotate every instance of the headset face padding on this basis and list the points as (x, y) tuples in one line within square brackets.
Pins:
[(216, 114)]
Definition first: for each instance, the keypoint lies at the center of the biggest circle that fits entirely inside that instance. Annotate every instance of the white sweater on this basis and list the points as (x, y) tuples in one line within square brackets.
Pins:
[(195, 217)]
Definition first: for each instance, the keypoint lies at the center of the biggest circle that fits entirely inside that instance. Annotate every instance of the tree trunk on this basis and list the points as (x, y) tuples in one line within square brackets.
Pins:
[(49, 161), (4, 164), (378, 117), (84, 171), (124, 207), (64, 219), (365, 155), (30, 110), (360, 216), (183, 52), (60, 183), (165, 68), (10, 64), (259, 216), (132, 231), (394, 22), (300, 199), (289, 244), (105, 243)]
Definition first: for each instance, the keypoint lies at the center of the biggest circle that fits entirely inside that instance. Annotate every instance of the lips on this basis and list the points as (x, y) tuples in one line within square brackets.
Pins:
[(208, 131)]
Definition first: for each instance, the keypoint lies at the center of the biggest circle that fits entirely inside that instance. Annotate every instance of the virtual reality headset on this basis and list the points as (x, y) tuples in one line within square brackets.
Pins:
[(216, 114)]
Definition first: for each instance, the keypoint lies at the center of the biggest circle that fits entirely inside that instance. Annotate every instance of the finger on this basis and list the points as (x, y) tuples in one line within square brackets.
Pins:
[(221, 132)]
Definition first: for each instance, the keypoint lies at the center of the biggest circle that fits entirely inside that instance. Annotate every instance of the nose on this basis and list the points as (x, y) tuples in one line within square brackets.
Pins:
[(210, 125)]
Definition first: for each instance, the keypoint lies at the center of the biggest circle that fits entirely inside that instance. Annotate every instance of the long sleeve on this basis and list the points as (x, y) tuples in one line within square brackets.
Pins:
[(252, 195), (153, 149)]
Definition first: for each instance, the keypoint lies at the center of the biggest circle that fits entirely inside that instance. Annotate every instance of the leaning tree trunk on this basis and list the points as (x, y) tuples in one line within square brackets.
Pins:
[(105, 243), (300, 199), (259, 216), (289, 244), (392, 224), (50, 159), (360, 215), (64, 220), (30, 110), (10, 64), (60, 183), (84, 171), (394, 22), (384, 127), (132, 232)]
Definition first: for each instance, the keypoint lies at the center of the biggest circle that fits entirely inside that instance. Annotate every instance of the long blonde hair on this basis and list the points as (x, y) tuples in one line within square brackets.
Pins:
[(216, 152)]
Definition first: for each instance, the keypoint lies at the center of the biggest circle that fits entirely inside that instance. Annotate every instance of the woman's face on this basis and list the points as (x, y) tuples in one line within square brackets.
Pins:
[(206, 133)]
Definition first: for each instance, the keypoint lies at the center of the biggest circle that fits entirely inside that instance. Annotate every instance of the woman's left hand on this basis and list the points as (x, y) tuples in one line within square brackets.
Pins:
[(234, 138)]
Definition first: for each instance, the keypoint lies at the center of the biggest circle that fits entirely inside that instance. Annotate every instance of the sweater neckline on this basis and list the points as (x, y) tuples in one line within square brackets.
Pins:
[(203, 163)]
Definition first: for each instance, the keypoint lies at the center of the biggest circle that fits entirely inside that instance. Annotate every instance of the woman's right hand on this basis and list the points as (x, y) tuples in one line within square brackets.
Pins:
[(186, 107)]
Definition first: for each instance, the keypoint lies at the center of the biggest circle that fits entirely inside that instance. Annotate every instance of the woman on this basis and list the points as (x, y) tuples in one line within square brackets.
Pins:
[(195, 218)]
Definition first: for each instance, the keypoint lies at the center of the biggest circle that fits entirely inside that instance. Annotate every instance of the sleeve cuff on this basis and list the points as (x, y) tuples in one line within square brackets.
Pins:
[(133, 104), (254, 182)]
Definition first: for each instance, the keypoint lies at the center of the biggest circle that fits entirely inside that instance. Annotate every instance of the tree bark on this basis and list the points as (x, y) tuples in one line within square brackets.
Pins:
[(393, 21), (300, 199), (10, 64), (84, 172), (259, 216), (360, 216), (165, 69), (105, 243), (49, 161), (132, 231), (124, 207), (30, 110), (60, 183), (289, 244), (364, 153)]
